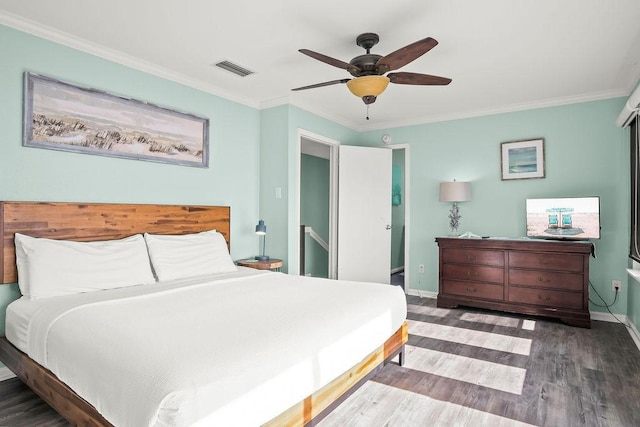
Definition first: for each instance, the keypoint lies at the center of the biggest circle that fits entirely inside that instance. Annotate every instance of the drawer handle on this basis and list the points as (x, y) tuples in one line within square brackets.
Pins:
[(547, 298), (470, 273), (542, 279), (472, 290), (471, 257)]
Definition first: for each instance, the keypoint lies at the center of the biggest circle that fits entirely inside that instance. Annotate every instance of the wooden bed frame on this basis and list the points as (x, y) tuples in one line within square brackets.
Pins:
[(100, 221)]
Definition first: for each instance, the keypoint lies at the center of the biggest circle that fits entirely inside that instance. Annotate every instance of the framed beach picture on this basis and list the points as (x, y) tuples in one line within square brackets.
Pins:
[(522, 159), (62, 116)]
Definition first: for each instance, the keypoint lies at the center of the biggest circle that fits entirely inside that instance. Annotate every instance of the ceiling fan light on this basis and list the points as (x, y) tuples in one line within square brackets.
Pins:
[(368, 85)]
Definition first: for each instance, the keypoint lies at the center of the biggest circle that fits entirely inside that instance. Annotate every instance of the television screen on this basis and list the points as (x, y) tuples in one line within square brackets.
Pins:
[(564, 218)]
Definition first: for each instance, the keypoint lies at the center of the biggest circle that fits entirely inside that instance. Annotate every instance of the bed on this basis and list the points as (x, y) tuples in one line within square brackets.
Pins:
[(232, 347)]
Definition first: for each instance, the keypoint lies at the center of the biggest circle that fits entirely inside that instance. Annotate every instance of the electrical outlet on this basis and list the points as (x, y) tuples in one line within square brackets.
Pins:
[(421, 268), (616, 285)]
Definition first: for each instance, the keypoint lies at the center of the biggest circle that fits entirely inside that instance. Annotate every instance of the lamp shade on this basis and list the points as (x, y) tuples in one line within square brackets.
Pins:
[(455, 191), (261, 228), (368, 85)]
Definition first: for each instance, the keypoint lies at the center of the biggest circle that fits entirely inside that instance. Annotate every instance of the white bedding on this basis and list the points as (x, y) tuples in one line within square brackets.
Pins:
[(231, 349)]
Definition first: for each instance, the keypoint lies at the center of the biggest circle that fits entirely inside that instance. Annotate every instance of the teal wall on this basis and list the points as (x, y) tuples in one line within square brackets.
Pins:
[(585, 154), (274, 147), (398, 211), (35, 174), (314, 211)]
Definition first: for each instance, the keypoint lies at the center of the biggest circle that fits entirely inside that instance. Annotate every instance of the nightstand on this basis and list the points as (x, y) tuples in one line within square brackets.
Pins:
[(270, 264)]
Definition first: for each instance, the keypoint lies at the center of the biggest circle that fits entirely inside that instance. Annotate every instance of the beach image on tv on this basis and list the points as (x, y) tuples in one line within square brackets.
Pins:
[(576, 218)]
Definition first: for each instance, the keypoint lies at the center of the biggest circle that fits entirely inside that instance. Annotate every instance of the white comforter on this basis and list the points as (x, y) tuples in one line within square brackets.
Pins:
[(237, 349)]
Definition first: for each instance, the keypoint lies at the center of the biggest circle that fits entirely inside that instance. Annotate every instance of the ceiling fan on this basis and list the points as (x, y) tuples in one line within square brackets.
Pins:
[(369, 69)]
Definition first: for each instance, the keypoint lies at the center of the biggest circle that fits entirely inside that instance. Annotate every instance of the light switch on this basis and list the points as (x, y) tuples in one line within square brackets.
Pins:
[(278, 193)]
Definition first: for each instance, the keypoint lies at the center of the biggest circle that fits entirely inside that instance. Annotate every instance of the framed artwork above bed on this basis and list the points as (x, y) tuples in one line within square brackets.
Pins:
[(66, 117)]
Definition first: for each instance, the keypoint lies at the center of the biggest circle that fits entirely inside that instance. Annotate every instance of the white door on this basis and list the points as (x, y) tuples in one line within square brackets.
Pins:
[(364, 214)]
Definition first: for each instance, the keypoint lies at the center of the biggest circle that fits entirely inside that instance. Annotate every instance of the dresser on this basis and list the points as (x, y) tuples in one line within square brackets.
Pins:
[(540, 277)]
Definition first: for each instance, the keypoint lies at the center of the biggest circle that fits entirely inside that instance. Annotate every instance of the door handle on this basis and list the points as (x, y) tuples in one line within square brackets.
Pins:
[(388, 227)]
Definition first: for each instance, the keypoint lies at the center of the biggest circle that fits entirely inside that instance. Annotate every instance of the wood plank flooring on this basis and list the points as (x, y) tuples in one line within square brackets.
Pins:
[(469, 367)]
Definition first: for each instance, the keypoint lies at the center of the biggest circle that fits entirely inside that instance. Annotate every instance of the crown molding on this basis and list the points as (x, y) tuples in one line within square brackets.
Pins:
[(60, 37), (275, 102), (56, 36), (597, 96)]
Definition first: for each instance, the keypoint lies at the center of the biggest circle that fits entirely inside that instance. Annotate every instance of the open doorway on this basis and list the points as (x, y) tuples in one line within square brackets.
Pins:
[(399, 216), (319, 153), (317, 205)]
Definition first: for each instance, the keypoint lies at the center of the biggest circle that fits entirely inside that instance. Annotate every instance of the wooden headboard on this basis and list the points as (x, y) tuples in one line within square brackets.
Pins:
[(99, 221)]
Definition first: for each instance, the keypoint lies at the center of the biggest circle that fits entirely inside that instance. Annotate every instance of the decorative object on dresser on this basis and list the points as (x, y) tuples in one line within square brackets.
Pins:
[(455, 192), (522, 159), (261, 230), (540, 277)]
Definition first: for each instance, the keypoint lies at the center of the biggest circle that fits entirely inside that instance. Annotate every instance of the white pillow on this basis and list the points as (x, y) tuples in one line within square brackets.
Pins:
[(48, 268), (188, 255)]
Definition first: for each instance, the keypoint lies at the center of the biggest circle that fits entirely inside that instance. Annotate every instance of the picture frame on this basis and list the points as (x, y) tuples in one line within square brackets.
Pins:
[(522, 159), (66, 117)]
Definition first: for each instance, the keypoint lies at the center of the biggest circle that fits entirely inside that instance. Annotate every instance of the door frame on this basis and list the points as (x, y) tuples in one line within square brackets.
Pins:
[(294, 247), (333, 145), (407, 211)]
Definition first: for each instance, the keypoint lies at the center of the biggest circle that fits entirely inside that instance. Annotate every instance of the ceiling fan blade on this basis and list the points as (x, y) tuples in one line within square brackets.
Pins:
[(417, 79), (403, 56), (331, 61), (332, 82)]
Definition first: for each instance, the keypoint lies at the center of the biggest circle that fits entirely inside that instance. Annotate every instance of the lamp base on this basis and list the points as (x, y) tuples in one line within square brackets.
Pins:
[(262, 257)]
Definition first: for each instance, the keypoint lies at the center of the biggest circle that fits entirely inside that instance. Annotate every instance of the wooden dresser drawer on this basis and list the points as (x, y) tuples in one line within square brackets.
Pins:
[(546, 261), (472, 289), (546, 297), (547, 279), (478, 273), (529, 276), (472, 256)]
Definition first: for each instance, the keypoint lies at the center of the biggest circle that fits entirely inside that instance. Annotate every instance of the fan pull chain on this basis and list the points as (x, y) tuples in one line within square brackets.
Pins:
[(367, 111)]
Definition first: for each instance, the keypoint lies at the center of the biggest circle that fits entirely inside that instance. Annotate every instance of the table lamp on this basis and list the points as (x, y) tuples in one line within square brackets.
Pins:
[(455, 192), (261, 230)]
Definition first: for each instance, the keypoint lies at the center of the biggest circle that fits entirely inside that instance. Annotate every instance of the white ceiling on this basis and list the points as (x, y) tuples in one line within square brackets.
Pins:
[(502, 55)]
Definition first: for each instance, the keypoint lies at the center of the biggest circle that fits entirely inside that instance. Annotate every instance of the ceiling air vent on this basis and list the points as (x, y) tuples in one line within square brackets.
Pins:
[(234, 68)]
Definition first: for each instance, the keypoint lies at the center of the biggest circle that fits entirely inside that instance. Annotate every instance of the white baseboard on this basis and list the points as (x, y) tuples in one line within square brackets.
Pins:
[(608, 317), (421, 293), (5, 373), (595, 315), (635, 334), (618, 318)]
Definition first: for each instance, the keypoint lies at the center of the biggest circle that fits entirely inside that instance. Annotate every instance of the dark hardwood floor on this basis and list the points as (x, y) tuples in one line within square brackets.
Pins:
[(469, 367), (19, 406)]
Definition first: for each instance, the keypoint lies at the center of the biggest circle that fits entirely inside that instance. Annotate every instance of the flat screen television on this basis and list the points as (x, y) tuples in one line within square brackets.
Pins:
[(575, 218)]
